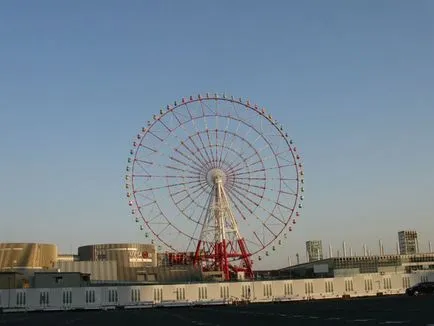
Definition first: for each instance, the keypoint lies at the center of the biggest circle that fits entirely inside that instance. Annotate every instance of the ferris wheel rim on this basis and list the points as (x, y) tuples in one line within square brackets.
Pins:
[(247, 105)]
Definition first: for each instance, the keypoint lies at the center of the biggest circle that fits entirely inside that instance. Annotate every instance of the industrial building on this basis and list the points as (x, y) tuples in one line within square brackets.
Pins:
[(27, 256), (135, 263), (13, 280), (314, 250), (408, 243), (104, 263), (45, 280), (350, 266)]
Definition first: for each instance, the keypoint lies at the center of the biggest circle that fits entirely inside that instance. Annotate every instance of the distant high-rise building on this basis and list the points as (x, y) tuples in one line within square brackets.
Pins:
[(408, 244), (314, 250)]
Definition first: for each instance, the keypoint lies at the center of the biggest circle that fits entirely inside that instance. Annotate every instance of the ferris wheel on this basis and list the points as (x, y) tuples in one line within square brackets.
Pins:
[(218, 178)]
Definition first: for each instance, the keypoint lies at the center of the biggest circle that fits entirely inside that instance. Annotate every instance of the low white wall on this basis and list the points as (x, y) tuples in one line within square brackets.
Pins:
[(207, 293)]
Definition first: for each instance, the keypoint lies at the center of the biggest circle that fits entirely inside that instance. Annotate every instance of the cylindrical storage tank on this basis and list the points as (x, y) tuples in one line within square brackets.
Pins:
[(19, 256)]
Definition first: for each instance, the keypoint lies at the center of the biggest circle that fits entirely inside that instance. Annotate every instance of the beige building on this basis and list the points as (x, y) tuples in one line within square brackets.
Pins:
[(126, 258), (408, 244), (27, 256), (314, 250)]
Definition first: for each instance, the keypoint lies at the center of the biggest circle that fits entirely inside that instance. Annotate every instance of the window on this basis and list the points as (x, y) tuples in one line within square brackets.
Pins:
[(424, 278), (287, 289), (308, 287), (158, 294), (368, 284), (90, 296), (203, 293), (21, 299), (406, 282), (387, 283), (245, 291), (44, 298), (135, 295), (224, 292), (349, 285), (267, 290), (113, 296), (67, 297), (329, 286), (180, 294)]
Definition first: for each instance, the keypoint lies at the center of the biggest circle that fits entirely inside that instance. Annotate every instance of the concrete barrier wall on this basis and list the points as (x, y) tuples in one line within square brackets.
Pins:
[(207, 293)]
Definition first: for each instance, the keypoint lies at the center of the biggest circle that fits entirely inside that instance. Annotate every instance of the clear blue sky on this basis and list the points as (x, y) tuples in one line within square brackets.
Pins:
[(352, 80)]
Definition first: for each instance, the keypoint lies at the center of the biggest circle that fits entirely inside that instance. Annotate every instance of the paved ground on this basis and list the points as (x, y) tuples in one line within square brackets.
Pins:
[(367, 311)]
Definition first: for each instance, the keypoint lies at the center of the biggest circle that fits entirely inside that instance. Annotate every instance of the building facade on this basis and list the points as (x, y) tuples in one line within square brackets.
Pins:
[(181, 294), (127, 257), (408, 243), (314, 250), (350, 266), (27, 256)]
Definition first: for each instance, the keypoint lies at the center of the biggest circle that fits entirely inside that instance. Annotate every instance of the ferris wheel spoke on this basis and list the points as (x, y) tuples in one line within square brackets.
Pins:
[(206, 106), (178, 114), (165, 126), (236, 111), (213, 160), (228, 148), (182, 142), (289, 186), (216, 146), (148, 204), (273, 201), (263, 208), (194, 168), (259, 239), (195, 165), (252, 244), (258, 205), (209, 160), (149, 148), (222, 146), (234, 195), (193, 200), (246, 190), (255, 178), (153, 134), (184, 189), (264, 169), (153, 176), (164, 229), (204, 161), (150, 221), (242, 194), (197, 157), (269, 230), (166, 186), (236, 131), (145, 162), (177, 169), (198, 133), (263, 188)]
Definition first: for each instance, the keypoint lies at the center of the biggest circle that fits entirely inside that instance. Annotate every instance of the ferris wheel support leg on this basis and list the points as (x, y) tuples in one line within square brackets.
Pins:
[(246, 258), (196, 259), (225, 264)]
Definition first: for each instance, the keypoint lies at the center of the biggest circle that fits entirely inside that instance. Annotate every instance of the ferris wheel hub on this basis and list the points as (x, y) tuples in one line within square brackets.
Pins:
[(215, 176)]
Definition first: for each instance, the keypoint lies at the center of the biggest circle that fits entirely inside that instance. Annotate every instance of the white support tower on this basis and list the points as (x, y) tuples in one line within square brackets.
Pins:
[(220, 229)]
